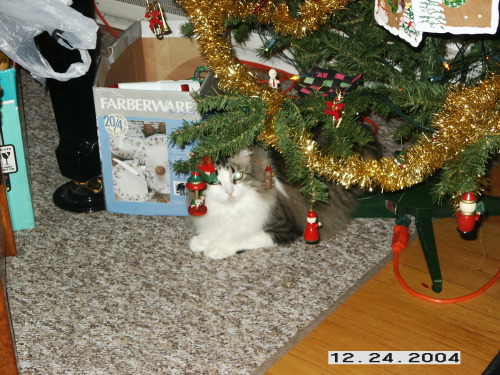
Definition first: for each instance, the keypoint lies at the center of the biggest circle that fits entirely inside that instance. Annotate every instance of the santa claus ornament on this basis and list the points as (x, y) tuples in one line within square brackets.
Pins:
[(311, 233), (467, 216)]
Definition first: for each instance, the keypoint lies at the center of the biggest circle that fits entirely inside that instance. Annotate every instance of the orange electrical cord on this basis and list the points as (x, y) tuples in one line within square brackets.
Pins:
[(398, 244), (104, 21)]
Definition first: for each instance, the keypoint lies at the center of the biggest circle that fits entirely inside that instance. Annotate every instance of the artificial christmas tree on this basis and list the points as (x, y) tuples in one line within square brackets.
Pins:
[(445, 95)]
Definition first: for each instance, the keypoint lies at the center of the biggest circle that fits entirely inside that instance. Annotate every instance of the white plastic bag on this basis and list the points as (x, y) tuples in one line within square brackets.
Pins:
[(22, 20)]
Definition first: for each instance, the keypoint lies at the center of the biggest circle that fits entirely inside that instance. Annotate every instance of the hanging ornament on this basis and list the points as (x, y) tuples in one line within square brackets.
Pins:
[(200, 74), (156, 16), (268, 182), (327, 82), (467, 216), (311, 233), (273, 81), (335, 109), (196, 184), (399, 158), (207, 170)]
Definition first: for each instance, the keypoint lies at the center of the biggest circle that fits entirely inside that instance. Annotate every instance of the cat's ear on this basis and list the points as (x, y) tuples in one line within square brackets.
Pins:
[(243, 156)]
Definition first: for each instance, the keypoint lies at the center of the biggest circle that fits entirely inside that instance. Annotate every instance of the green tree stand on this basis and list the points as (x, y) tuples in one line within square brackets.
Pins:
[(418, 201)]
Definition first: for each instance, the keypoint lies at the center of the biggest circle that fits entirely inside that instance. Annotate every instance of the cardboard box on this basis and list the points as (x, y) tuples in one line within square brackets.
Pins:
[(134, 125), (14, 154)]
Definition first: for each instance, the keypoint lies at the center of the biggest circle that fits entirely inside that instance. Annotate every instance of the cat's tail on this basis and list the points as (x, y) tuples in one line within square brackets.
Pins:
[(334, 215)]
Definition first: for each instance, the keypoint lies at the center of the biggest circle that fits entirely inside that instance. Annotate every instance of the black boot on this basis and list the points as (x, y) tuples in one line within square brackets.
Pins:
[(77, 196), (73, 103)]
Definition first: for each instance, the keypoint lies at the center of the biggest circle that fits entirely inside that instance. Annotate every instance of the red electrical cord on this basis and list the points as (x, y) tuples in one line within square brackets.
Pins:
[(372, 123), (104, 21), (396, 249)]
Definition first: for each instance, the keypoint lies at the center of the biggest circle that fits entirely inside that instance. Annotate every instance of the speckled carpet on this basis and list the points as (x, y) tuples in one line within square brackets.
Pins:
[(110, 294)]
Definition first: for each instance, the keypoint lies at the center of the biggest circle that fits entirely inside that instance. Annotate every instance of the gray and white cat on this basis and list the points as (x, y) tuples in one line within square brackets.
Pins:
[(242, 215)]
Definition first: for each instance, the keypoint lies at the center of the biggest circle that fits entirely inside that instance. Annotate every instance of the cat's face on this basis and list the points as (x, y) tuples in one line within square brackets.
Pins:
[(234, 179)]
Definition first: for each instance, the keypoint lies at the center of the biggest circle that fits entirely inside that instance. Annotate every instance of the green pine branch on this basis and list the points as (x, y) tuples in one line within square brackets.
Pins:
[(463, 173), (399, 81), (229, 123)]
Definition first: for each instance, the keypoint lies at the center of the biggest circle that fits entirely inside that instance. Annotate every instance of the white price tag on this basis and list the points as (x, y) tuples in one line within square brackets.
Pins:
[(115, 124)]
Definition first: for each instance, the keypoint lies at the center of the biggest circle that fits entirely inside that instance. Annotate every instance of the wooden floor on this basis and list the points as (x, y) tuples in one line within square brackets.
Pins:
[(382, 316)]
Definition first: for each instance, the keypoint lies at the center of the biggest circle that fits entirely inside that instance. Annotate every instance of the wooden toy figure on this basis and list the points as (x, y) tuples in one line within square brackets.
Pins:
[(208, 170), (311, 233), (273, 81), (467, 215), (268, 182), (196, 184)]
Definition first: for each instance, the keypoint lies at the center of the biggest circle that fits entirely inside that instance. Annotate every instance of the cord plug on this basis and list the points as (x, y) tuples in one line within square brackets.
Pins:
[(400, 238)]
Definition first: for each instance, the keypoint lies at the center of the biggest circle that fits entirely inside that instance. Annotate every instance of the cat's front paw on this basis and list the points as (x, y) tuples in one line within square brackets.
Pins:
[(219, 253), (198, 244)]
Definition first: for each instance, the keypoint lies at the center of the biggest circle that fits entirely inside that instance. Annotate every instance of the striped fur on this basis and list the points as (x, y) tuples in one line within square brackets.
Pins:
[(242, 215)]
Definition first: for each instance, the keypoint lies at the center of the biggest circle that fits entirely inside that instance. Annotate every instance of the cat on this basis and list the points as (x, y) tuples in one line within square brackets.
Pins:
[(242, 215)]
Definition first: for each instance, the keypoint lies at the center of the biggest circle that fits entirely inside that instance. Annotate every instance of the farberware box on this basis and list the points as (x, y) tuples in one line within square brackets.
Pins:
[(142, 92)]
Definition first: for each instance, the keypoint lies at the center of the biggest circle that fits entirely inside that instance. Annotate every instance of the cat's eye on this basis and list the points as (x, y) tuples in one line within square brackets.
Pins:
[(237, 176), (216, 182)]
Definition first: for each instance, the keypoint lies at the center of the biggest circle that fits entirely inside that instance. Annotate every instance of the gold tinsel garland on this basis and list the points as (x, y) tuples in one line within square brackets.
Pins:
[(467, 115), (208, 18)]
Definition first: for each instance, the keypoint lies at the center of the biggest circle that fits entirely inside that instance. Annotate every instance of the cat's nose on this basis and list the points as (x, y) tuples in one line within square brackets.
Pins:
[(229, 192)]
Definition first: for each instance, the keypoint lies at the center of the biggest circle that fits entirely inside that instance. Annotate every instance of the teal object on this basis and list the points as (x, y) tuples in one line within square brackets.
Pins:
[(418, 202), (19, 195)]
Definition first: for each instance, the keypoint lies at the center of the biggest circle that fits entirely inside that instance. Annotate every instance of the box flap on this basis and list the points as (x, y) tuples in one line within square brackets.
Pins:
[(150, 59), (170, 58), (126, 38)]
